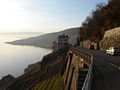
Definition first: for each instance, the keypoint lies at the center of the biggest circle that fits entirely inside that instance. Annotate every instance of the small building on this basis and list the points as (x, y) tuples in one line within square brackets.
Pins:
[(54, 47), (8, 78), (63, 41)]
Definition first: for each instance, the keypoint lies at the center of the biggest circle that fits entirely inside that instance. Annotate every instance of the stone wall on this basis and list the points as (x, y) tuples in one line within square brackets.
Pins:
[(110, 39), (86, 43)]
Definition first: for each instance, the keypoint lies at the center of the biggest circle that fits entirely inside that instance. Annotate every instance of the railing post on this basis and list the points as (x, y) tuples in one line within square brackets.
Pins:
[(88, 80), (77, 73), (89, 60)]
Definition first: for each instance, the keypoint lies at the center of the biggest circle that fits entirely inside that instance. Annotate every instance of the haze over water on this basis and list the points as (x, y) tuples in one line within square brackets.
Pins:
[(14, 59)]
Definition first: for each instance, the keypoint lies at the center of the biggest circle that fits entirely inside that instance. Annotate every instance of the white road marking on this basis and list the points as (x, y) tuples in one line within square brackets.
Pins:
[(118, 67)]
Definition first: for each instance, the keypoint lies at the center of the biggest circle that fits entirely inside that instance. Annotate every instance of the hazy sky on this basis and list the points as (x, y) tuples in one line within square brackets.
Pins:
[(43, 15)]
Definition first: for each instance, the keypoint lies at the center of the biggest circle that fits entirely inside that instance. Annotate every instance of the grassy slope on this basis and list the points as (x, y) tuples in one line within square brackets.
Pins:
[(55, 83), (47, 39)]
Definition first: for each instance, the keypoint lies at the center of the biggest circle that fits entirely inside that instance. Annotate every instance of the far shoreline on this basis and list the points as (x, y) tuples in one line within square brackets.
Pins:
[(10, 43)]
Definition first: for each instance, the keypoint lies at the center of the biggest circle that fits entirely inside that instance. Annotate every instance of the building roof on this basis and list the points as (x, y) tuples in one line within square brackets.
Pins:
[(8, 77), (63, 36)]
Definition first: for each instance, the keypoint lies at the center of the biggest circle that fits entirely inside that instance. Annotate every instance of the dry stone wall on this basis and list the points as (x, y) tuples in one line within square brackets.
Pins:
[(110, 39)]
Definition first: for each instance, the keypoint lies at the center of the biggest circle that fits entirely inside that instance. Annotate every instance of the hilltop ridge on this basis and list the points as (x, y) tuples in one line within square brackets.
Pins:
[(47, 39)]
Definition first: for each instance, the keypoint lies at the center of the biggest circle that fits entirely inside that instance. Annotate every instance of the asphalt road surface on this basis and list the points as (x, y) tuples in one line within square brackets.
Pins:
[(106, 71)]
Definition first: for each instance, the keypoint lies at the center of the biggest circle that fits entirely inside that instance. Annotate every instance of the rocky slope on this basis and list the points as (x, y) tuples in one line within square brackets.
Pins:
[(111, 38), (43, 77)]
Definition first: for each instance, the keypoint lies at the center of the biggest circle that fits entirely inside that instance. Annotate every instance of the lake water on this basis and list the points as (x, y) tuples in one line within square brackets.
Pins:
[(14, 59)]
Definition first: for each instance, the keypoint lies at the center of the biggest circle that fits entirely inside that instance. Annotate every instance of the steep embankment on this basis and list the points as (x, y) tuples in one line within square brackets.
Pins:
[(47, 39), (47, 76), (55, 83), (111, 38)]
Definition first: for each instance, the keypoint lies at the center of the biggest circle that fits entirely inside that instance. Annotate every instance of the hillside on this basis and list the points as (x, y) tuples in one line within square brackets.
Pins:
[(111, 38), (47, 39), (47, 77)]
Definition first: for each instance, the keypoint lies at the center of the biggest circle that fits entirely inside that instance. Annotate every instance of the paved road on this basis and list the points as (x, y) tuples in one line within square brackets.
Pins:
[(106, 71)]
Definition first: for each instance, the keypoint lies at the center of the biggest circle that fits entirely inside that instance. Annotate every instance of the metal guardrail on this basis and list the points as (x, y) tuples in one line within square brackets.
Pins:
[(85, 55), (89, 58), (88, 80)]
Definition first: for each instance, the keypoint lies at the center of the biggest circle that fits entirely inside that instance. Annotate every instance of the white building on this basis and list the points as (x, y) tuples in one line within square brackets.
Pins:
[(63, 41)]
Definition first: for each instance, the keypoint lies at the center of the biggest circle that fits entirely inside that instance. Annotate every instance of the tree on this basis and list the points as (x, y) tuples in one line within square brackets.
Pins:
[(78, 41), (103, 18)]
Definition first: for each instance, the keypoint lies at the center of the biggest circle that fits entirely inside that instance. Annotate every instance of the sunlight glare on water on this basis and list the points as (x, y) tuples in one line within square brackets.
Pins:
[(14, 59)]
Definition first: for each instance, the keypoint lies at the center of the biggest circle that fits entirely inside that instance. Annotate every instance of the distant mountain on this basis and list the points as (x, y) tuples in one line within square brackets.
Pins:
[(47, 39)]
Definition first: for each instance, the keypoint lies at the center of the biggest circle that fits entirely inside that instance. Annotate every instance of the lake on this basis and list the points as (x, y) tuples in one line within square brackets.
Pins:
[(14, 58)]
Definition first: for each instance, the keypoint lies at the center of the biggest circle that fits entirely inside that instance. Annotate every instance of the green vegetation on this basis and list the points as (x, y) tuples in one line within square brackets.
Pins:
[(55, 83)]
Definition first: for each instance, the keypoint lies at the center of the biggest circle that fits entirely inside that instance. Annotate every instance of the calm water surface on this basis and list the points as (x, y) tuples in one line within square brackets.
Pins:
[(14, 59)]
